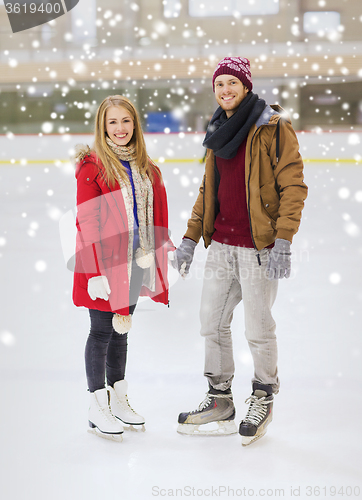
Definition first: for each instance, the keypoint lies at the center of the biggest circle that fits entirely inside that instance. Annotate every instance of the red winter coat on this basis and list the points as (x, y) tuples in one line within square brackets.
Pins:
[(102, 239)]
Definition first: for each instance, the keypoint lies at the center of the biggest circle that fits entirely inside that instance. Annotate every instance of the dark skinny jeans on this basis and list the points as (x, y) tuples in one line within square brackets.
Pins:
[(106, 350)]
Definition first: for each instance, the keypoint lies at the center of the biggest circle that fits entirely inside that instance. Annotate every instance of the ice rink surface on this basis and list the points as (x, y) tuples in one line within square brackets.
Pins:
[(314, 442)]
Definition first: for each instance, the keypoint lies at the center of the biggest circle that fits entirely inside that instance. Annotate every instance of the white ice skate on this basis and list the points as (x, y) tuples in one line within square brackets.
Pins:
[(101, 421), (122, 409)]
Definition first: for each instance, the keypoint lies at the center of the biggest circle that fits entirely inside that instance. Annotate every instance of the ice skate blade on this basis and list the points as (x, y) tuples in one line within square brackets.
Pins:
[(128, 426), (134, 427), (246, 440), (110, 437), (220, 428)]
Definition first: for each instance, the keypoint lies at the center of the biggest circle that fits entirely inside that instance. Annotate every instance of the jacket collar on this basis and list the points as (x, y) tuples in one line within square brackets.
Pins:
[(271, 115)]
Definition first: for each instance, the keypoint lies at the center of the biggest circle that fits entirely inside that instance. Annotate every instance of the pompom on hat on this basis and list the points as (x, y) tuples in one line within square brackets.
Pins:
[(236, 66)]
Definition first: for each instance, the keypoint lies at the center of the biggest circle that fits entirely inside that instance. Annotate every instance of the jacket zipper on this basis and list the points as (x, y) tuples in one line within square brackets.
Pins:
[(277, 154), (251, 228), (203, 209)]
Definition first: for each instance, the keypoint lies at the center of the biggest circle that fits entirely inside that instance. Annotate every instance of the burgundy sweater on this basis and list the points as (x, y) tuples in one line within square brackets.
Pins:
[(232, 222)]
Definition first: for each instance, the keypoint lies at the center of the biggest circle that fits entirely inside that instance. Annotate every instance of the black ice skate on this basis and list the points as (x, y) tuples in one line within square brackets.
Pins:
[(214, 416), (259, 415)]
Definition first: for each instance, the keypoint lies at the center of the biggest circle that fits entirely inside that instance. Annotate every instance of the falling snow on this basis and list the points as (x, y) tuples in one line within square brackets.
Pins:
[(7, 339), (309, 64), (40, 266)]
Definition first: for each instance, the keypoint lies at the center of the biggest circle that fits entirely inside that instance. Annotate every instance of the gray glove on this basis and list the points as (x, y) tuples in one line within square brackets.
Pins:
[(184, 255), (279, 264)]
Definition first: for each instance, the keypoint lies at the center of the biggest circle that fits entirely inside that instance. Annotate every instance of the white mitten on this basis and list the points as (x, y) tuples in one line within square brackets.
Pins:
[(98, 288)]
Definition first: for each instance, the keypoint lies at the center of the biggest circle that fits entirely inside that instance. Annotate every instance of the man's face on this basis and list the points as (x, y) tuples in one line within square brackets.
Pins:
[(229, 93)]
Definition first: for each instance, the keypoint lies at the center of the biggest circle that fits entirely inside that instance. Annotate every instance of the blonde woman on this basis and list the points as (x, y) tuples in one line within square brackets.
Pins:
[(121, 253)]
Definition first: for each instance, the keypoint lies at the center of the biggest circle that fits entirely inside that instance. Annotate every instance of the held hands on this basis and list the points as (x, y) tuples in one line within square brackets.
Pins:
[(181, 258), (98, 288), (279, 264)]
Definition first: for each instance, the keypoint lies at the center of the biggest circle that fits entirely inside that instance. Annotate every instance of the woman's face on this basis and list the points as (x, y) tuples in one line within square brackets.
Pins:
[(119, 125)]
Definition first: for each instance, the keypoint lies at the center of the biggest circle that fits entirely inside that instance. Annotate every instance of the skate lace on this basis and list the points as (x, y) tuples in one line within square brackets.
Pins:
[(125, 403), (107, 413), (257, 409), (206, 402)]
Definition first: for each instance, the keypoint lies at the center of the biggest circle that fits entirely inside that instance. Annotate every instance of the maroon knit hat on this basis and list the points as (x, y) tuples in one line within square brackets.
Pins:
[(236, 66)]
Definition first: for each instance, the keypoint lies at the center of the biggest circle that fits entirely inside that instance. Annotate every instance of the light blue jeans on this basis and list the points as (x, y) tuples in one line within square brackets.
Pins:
[(233, 274)]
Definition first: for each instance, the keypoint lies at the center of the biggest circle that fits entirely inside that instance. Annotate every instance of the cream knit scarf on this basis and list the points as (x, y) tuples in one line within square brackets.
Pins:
[(144, 199)]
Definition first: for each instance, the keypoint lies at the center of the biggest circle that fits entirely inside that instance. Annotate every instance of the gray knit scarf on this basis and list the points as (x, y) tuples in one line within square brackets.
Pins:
[(224, 135)]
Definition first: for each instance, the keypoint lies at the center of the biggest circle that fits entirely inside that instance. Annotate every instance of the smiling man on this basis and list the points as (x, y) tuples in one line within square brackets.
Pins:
[(248, 210), (229, 93)]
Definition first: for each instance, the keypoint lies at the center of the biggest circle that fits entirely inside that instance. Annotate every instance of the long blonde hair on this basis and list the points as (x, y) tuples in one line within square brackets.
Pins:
[(108, 158)]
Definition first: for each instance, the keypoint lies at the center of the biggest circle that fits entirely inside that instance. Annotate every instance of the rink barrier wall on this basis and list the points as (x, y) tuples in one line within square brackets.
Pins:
[(172, 148), (180, 160)]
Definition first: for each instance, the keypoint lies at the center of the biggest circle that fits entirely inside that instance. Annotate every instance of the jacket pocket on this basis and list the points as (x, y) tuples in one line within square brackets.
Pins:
[(270, 201)]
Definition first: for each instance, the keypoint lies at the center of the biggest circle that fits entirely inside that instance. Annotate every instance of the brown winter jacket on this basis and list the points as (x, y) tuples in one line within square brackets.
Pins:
[(275, 191)]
